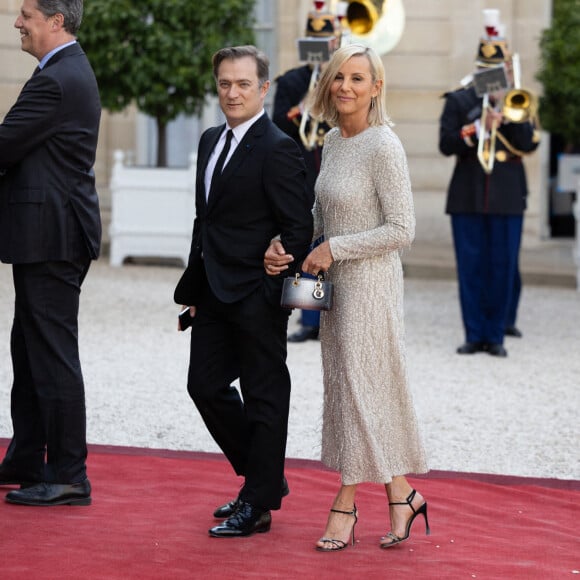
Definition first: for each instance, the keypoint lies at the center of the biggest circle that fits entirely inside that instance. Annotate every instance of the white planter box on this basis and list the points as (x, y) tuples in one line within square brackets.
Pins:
[(152, 211)]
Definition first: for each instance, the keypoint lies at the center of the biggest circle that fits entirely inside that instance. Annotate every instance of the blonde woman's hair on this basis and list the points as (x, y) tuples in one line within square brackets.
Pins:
[(322, 106)]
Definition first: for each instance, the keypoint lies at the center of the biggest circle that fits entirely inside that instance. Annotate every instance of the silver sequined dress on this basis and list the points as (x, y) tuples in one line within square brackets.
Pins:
[(364, 207)]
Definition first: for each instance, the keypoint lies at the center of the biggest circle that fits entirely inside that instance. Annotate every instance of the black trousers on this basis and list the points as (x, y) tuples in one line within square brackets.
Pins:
[(245, 340), (48, 398)]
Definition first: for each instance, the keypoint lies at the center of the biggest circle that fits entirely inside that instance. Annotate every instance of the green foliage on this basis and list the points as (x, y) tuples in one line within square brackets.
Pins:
[(560, 72), (157, 53)]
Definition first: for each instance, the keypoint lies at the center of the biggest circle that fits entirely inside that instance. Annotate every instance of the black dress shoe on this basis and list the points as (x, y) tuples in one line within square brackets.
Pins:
[(471, 348), (226, 510), (513, 331), (9, 476), (245, 521), (497, 350), (304, 334), (46, 494)]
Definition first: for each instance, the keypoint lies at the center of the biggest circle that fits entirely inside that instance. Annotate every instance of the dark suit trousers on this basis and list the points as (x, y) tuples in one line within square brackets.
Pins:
[(48, 399), (245, 340)]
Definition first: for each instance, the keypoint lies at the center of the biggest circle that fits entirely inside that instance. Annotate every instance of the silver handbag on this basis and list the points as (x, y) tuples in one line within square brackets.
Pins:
[(306, 293)]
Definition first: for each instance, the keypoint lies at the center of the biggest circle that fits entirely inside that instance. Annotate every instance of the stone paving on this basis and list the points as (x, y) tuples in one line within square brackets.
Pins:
[(513, 416)]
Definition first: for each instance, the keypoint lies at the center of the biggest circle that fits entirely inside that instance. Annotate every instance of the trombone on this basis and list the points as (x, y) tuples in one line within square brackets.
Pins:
[(311, 138), (518, 106), (486, 145)]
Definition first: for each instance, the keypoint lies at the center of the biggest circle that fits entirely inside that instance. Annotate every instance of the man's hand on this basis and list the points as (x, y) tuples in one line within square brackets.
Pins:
[(276, 259), (183, 323), (492, 118)]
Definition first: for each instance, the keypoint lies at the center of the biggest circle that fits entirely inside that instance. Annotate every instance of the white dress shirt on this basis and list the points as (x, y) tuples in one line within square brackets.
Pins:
[(238, 134)]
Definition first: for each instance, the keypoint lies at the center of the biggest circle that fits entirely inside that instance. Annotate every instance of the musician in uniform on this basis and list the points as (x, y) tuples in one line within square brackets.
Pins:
[(486, 207)]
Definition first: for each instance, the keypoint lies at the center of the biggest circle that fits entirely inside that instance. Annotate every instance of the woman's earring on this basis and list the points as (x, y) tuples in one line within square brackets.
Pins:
[(373, 102)]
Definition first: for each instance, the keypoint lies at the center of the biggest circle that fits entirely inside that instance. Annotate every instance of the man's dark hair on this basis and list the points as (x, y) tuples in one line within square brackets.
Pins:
[(72, 10), (235, 52)]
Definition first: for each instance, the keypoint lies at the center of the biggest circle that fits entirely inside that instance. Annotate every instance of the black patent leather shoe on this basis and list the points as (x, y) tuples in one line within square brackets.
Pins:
[(245, 521), (513, 331), (304, 334), (497, 350), (226, 510), (471, 348), (9, 476), (47, 494)]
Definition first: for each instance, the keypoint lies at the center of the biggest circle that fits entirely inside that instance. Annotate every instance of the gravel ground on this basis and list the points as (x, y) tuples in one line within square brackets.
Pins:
[(514, 416)]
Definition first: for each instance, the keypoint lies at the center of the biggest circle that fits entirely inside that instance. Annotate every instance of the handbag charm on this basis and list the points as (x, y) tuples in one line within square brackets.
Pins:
[(318, 291)]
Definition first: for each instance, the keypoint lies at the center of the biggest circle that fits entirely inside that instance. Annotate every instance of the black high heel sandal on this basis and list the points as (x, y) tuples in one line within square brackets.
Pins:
[(339, 544), (421, 510)]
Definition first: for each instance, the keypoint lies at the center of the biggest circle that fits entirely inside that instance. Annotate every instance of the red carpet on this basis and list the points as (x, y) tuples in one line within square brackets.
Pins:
[(151, 511)]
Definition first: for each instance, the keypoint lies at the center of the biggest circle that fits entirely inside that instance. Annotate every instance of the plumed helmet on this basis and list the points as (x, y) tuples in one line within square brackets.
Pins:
[(493, 48)]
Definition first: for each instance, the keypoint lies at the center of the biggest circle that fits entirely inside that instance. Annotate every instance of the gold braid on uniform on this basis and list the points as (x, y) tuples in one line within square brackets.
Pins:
[(512, 149)]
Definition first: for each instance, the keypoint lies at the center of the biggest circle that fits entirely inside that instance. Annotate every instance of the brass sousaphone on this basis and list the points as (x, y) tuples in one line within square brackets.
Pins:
[(377, 23)]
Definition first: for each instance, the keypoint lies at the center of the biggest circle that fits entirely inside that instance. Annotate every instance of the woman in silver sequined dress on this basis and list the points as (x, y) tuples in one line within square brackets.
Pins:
[(364, 208)]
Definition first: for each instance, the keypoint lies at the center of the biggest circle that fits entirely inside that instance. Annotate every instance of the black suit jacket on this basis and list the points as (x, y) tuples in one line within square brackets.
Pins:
[(49, 208), (471, 190), (261, 194)]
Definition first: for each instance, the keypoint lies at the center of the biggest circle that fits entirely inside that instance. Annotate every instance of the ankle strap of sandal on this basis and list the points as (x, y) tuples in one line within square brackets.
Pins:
[(351, 513), (408, 501)]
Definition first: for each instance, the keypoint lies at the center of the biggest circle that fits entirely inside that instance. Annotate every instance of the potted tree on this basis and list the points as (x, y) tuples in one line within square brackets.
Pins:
[(560, 104), (559, 72), (156, 55)]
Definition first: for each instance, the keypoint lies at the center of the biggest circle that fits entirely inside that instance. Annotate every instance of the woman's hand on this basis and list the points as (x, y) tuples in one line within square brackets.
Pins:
[(276, 259), (319, 260)]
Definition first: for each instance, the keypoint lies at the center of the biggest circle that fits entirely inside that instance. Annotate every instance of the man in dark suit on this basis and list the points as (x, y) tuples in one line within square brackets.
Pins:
[(486, 207), (250, 188), (50, 231)]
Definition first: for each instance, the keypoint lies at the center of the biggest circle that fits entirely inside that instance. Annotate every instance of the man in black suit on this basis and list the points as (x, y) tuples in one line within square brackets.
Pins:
[(50, 231), (238, 329)]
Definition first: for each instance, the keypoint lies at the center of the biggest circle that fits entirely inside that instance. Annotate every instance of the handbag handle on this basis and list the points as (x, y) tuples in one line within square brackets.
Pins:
[(299, 272), (298, 275), (318, 291)]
